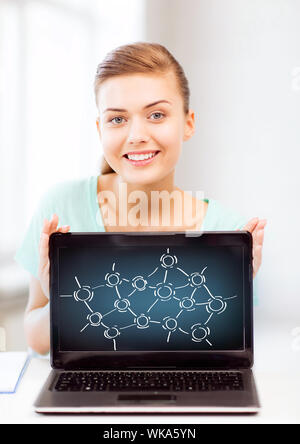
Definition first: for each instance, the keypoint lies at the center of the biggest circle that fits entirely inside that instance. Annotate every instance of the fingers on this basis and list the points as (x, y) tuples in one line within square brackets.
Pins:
[(48, 228), (258, 239), (258, 232), (257, 258), (250, 226)]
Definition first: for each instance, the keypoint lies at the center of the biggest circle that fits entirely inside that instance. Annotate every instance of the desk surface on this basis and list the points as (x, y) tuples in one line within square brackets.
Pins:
[(279, 394), (276, 371)]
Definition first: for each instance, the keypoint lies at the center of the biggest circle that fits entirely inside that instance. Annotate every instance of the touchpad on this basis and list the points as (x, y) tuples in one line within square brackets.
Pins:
[(147, 398)]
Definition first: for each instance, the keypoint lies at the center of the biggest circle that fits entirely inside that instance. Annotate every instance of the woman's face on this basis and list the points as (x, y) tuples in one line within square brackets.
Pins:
[(130, 122)]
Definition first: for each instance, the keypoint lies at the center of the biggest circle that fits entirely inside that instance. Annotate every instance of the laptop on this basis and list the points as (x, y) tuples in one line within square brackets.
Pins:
[(152, 322)]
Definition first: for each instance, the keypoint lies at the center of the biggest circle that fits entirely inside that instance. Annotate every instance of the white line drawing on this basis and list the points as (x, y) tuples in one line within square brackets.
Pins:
[(163, 293)]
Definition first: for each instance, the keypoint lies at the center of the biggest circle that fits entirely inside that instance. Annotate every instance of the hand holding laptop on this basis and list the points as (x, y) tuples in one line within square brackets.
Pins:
[(49, 227), (256, 228)]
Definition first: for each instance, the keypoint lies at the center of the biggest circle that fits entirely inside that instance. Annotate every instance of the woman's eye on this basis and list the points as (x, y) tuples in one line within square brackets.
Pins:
[(115, 119), (153, 114)]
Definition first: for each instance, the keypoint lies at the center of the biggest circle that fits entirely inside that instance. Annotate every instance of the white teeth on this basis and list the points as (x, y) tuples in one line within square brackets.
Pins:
[(140, 156)]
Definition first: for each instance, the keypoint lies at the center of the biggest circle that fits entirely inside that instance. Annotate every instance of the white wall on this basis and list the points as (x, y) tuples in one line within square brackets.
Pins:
[(242, 59)]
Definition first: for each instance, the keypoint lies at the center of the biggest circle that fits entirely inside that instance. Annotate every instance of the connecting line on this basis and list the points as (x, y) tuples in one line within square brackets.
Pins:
[(131, 292), (178, 314), (209, 291), (127, 326), (193, 293), (129, 309), (182, 271), (155, 322), (183, 331), (88, 306), (152, 272), (165, 278), (65, 295), (208, 318), (182, 286), (152, 305), (118, 293), (169, 334), (108, 312), (98, 286), (231, 297), (77, 282), (115, 345), (203, 269), (84, 328)]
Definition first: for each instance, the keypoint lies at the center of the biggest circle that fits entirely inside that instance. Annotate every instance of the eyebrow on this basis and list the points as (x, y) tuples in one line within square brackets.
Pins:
[(120, 110)]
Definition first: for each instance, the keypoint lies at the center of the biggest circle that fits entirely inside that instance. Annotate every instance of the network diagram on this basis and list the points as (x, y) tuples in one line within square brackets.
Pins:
[(161, 292)]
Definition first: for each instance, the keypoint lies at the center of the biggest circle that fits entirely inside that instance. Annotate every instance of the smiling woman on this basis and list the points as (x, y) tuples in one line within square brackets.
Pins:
[(135, 74), (142, 96)]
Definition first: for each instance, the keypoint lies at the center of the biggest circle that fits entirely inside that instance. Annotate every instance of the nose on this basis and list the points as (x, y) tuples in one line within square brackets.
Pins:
[(137, 132)]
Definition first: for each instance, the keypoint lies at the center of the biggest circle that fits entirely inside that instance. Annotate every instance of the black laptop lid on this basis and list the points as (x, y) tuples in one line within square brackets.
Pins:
[(151, 300)]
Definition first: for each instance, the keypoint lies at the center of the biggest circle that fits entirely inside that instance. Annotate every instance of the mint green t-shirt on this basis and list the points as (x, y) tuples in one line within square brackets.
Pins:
[(76, 204)]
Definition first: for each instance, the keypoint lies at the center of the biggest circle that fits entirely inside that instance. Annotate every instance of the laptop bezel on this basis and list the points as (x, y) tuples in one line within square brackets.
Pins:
[(127, 360)]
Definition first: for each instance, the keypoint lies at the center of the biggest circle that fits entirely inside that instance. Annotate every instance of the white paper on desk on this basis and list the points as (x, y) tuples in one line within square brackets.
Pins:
[(11, 368)]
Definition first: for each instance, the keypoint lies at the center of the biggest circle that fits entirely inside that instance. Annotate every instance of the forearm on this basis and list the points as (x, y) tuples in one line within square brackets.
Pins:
[(37, 329)]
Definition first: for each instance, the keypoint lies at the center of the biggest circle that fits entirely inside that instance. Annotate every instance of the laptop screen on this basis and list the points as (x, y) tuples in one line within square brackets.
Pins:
[(156, 298)]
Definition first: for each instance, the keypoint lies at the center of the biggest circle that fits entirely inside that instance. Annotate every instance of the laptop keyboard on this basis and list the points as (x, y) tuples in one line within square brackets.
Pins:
[(149, 381)]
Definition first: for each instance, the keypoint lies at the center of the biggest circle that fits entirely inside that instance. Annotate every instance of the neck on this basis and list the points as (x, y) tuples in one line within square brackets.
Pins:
[(140, 201), (166, 184)]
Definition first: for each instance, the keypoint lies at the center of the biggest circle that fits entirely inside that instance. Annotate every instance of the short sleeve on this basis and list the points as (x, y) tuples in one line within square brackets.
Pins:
[(27, 254)]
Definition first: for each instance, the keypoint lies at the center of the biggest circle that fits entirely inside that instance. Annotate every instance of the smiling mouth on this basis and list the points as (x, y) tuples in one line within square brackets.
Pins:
[(136, 156), (138, 160)]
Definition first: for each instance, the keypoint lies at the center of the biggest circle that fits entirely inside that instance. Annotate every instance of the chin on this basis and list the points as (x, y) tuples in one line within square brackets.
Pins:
[(143, 178)]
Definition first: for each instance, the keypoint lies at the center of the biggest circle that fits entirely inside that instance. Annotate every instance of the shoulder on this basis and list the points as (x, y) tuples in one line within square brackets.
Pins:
[(64, 192), (68, 187), (222, 217)]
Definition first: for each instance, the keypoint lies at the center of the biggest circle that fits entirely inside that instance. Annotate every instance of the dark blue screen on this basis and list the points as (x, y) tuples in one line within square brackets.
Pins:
[(153, 298)]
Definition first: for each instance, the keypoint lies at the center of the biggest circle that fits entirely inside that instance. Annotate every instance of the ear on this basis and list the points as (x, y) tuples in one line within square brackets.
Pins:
[(98, 126), (189, 126)]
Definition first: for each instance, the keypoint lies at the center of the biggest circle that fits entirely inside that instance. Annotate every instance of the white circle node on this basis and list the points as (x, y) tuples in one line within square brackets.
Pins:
[(121, 304), (170, 323), (187, 303), (83, 294), (113, 279), (111, 333), (139, 283), (95, 318), (163, 291), (196, 279), (168, 260), (199, 333), (142, 321)]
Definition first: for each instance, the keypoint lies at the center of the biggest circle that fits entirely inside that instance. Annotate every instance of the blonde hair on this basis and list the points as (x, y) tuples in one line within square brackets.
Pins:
[(140, 57)]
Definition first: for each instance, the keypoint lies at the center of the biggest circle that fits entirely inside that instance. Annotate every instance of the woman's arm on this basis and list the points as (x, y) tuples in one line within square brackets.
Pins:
[(36, 318)]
